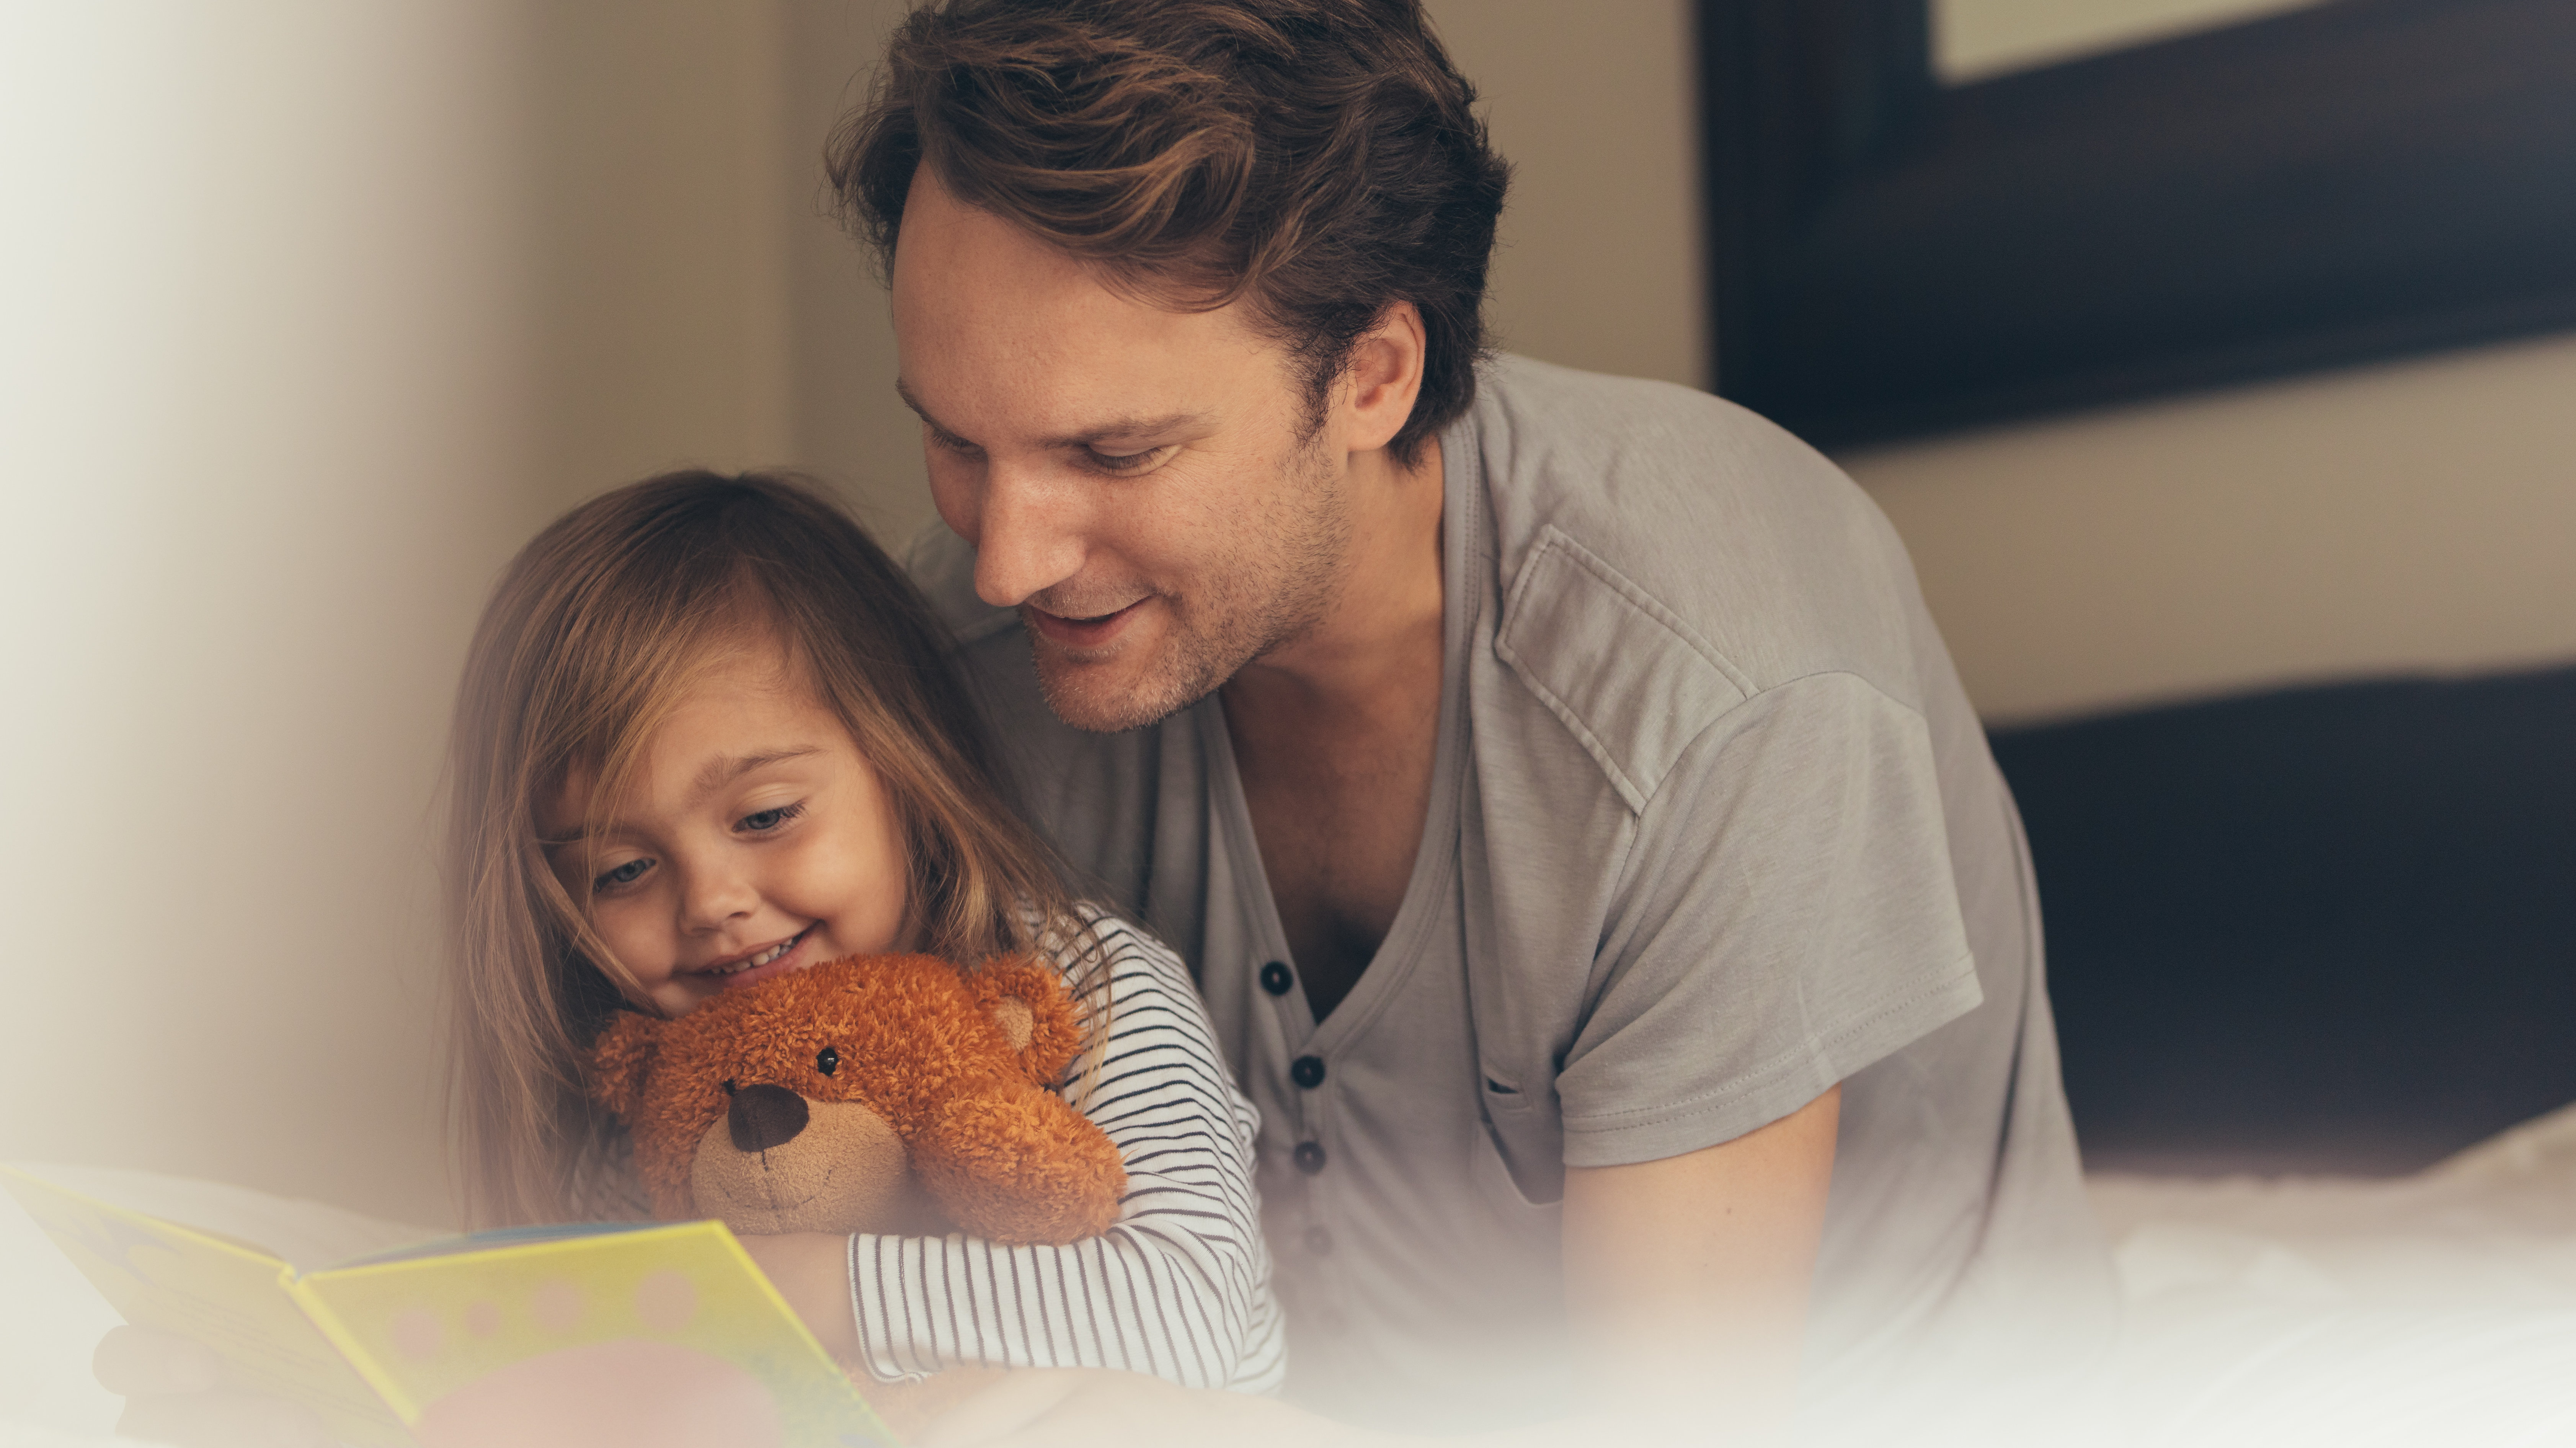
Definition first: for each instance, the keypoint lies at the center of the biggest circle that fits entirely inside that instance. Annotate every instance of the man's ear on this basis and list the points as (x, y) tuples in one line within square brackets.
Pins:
[(1383, 378), (1041, 1022), (620, 1058)]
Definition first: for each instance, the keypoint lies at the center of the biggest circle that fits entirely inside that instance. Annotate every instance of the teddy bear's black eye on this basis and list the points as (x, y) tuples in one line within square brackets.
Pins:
[(728, 1088), (828, 1061)]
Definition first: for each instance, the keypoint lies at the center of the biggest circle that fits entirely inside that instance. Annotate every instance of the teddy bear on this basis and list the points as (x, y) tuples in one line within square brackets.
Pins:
[(887, 1093)]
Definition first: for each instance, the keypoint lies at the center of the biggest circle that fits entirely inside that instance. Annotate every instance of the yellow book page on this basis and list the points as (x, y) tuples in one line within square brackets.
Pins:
[(662, 1334), (231, 1296)]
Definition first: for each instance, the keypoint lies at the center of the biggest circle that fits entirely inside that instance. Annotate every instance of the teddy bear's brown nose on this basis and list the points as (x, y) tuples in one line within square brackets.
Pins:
[(763, 1117)]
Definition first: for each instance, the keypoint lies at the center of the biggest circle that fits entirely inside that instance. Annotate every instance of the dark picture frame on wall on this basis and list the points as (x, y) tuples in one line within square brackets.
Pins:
[(1892, 256)]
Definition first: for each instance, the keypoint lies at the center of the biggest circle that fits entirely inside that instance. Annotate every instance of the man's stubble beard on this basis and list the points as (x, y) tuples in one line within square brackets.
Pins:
[(1239, 609)]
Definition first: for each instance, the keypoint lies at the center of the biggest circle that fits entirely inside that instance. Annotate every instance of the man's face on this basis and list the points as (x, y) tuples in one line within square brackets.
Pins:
[(1147, 486)]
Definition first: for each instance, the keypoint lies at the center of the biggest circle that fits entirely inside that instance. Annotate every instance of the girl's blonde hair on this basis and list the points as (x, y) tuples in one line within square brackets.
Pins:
[(594, 633)]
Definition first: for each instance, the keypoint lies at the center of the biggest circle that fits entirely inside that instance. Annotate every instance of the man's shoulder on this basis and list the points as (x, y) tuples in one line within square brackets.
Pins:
[(1641, 510)]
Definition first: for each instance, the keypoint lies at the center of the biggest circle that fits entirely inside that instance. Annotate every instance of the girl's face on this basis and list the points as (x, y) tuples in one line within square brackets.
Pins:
[(755, 842)]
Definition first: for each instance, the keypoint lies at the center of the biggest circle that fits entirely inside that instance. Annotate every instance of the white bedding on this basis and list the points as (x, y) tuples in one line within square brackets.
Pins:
[(2438, 1309), (2494, 1226)]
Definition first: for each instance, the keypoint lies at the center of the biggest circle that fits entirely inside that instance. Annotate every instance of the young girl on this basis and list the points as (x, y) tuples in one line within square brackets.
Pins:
[(707, 736)]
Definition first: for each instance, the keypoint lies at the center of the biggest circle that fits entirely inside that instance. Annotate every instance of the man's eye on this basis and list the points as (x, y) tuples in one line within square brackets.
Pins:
[(626, 874), (763, 821), (1135, 462)]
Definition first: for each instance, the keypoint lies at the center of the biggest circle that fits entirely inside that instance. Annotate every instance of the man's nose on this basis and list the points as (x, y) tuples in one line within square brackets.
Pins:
[(1028, 535)]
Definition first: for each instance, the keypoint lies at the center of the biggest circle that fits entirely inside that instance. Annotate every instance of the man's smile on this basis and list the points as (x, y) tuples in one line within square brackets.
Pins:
[(1082, 634)]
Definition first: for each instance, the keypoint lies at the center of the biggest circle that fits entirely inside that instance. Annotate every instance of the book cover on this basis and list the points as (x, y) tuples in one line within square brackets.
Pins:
[(521, 1336)]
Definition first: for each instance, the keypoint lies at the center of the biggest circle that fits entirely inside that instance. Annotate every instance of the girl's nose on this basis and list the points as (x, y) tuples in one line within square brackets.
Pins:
[(712, 897)]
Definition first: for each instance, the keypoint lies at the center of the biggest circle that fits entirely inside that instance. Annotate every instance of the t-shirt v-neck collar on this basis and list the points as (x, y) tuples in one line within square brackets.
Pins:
[(1435, 859)]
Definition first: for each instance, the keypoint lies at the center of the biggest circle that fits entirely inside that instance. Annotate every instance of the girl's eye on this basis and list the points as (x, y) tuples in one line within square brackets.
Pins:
[(761, 822), (828, 1061), (626, 874)]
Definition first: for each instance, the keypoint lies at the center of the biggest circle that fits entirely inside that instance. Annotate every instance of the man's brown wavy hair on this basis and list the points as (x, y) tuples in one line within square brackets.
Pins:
[(1317, 157)]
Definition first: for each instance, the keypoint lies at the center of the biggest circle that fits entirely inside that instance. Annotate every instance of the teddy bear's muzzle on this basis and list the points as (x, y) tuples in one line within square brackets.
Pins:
[(778, 1162), (765, 1117)]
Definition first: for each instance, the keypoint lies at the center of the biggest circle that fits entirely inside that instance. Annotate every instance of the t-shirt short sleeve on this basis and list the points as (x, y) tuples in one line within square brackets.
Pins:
[(1786, 917)]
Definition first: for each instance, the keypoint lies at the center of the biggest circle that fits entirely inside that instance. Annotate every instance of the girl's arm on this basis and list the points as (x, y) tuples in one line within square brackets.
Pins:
[(1178, 1288)]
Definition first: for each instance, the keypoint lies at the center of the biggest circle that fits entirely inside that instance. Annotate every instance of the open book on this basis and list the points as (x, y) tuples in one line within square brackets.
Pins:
[(483, 1338)]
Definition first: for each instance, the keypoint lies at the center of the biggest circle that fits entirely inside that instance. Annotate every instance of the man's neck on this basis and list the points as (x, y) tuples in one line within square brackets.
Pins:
[(1367, 649), (1335, 734)]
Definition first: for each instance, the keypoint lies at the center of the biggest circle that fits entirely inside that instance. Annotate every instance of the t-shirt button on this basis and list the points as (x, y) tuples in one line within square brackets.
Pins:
[(1309, 1157), (1276, 979), (1318, 1241), (1307, 1071)]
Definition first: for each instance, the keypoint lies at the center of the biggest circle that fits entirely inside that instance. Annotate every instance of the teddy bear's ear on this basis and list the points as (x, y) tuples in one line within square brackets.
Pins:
[(1028, 1001), (620, 1058)]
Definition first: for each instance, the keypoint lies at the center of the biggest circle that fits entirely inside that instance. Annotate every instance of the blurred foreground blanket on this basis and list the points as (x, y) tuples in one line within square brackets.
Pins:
[(2438, 1308)]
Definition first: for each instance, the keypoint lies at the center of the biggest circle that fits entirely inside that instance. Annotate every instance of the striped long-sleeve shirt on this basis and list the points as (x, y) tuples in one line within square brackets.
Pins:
[(1178, 1287)]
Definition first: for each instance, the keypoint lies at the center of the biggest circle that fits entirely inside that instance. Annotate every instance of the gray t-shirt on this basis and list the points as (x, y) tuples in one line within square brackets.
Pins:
[(1712, 828)]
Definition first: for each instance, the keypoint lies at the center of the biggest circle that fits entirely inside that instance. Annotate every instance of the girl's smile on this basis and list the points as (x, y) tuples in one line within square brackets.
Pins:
[(753, 840), (751, 966)]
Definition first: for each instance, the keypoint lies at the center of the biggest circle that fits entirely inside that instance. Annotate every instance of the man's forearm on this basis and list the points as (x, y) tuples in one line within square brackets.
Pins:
[(1687, 1279)]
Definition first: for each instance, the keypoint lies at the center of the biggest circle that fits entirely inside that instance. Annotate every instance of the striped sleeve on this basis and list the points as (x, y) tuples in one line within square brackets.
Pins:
[(1179, 1287)]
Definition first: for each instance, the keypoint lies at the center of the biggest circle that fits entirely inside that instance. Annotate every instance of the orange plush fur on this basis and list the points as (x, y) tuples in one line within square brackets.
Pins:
[(934, 1109)]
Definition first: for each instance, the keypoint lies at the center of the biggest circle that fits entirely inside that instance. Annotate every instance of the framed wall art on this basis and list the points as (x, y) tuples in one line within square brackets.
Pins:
[(1892, 255)]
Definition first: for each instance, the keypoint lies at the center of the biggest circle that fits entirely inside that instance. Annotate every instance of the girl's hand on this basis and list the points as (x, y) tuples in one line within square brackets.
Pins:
[(174, 1393), (812, 1271)]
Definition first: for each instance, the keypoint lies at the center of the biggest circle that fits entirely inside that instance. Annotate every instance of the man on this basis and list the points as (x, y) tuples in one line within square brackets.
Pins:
[(1568, 809)]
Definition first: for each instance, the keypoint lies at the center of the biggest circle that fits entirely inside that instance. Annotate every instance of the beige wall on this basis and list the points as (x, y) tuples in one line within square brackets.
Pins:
[(663, 309), (849, 426), (1975, 39), (702, 308), (265, 388), (1599, 264), (2416, 516)]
